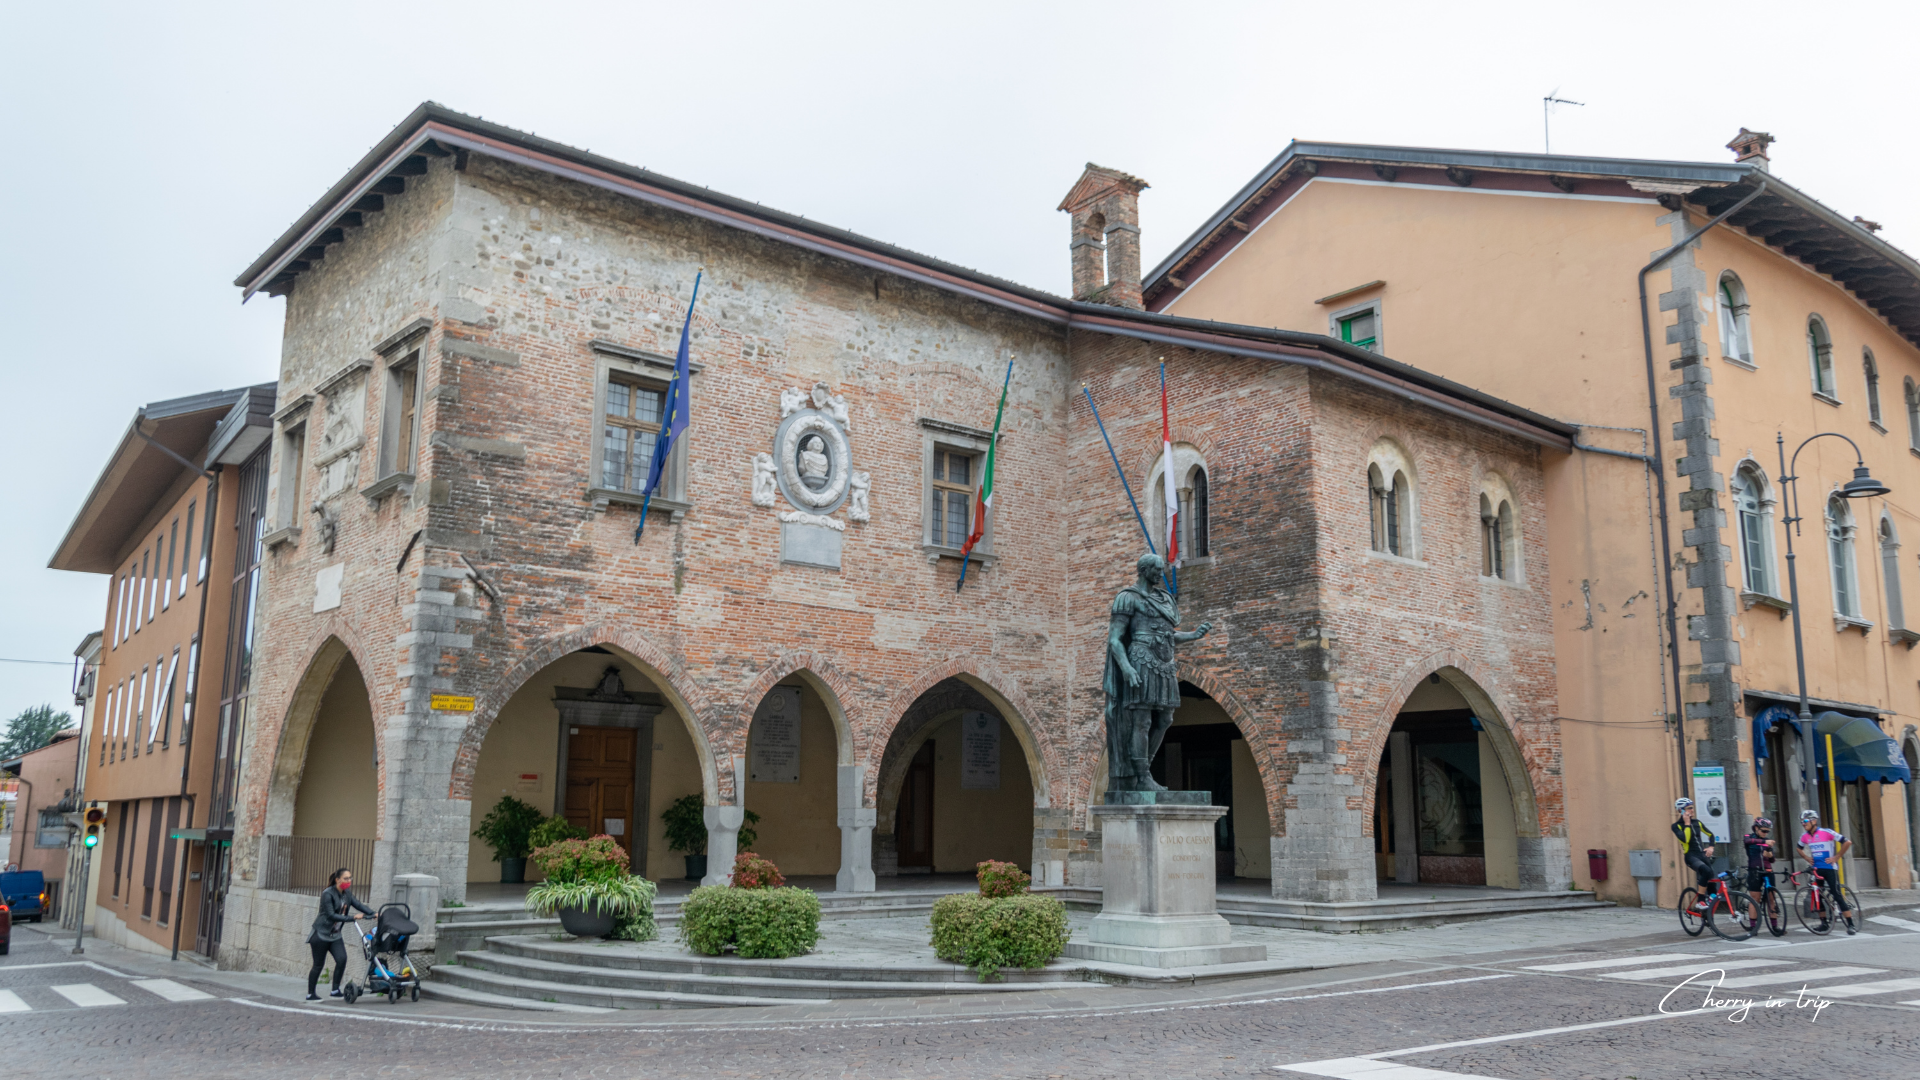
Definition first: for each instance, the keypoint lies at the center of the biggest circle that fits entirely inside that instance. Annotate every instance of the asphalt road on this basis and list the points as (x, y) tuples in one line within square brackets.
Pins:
[(1846, 1007)]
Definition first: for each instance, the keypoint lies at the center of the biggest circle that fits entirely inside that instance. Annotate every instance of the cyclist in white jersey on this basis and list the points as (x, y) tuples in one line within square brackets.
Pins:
[(1823, 849)]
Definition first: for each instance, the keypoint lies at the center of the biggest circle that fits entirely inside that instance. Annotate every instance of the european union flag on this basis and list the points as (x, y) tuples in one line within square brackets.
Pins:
[(675, 415)]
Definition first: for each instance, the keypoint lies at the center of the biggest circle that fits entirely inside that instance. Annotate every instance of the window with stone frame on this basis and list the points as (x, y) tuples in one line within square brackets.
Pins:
[(1753, 523), (630, 426), (1191, 494), (952, 457), (1872, 372), (1496, 538), (1845, 574), (1912, 394), (400, 423), (293, 467), (1357, 325), (1820, 358), (956, 472), (1390, 498), (1736, 337), (1890, 574)]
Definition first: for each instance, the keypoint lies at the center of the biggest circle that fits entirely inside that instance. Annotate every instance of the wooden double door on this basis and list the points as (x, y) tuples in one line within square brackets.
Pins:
[(601, 779)]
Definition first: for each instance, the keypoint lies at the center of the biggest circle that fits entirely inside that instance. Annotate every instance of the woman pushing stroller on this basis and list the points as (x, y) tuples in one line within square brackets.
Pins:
[(337, 905)]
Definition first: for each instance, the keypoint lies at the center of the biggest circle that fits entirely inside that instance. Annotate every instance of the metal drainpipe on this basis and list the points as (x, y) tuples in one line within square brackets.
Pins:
[(200, 662), (1660, 478)]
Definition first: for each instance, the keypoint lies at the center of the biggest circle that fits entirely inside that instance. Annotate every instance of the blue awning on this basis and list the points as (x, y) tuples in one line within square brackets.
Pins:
[(1861, 751)]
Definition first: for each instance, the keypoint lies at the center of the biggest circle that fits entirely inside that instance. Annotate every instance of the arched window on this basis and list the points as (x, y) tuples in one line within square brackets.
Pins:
[(1846, 580), (1736, 341), (1190, 488), (1873, 387), (1753, 515), (1390, 499), (1820, 357), (1913, 414), (1497, 540), (1890, 568)]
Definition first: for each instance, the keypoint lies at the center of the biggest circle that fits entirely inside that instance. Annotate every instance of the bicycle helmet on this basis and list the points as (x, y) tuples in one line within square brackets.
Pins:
[(1681, 804), (1808, 815), (1763, 823)]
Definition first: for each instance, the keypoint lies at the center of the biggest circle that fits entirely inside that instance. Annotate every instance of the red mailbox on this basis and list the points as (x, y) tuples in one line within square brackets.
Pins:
[(1597, 863)]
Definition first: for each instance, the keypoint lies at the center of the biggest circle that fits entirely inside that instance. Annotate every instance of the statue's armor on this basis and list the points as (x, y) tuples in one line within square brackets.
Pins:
[(1149, 635)]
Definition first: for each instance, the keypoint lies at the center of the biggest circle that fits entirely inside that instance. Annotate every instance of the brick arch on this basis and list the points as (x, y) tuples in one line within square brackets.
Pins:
[(274, 789), (1009, 700), (833, 686), (913, 727), (1202, 442), (1260, 741), (664, 668), (1526, 779)]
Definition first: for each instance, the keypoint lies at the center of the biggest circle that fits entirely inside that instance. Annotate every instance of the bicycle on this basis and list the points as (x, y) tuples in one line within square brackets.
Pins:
[(1773, 909), (1737, 909), (1814, 907)]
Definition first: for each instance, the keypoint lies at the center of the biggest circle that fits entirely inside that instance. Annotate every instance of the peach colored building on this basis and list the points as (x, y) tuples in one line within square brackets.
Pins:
[(1518, 274)]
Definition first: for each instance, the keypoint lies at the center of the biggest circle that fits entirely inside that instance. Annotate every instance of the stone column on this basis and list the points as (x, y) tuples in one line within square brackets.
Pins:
[(421, 894), (856, 832), (723, 842), (1157, 907), (1406, 826)]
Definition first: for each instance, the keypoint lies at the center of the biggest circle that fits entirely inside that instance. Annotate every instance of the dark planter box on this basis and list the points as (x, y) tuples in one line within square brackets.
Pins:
[(696, 867), (581, 923), (513, 871)]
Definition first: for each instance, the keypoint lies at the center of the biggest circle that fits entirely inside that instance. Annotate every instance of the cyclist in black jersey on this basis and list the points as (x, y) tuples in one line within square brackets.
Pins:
[(1695, 848), (1759, 844)]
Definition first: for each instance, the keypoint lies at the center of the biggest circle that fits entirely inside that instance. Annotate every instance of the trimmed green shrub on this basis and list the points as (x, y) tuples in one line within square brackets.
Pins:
[(985, 934), (767, 924), (752, 871), (553, 830), (999, 879)]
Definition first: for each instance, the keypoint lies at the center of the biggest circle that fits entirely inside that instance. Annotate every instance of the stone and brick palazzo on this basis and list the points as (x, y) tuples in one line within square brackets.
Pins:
[(479, 332)]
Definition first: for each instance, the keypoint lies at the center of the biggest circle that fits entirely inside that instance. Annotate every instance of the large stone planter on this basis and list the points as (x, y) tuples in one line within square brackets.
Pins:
[(581, 923)]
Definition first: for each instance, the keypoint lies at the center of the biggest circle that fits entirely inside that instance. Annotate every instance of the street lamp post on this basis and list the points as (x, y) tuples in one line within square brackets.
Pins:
[(1861, 486)]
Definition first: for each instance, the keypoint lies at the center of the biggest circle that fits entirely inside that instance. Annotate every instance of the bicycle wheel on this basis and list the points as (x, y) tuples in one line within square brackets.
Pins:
[(1740, 922), (1774, 911), (1810, 907), (1690, 918)]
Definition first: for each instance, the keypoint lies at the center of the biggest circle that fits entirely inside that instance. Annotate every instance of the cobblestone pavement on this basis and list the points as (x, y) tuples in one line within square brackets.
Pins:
[(1530, 1012)]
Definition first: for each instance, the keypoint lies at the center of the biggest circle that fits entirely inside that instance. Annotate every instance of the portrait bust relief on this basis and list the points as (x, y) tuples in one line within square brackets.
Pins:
[(813, 461)]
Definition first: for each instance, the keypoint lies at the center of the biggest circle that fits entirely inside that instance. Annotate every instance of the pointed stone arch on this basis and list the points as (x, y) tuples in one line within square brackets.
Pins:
[(826, 679), (1259, 740), (663, 668), (1007, 699), (325, 658)]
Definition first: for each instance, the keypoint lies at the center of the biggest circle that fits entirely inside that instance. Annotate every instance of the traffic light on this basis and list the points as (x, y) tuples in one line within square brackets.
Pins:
[(96, 826)]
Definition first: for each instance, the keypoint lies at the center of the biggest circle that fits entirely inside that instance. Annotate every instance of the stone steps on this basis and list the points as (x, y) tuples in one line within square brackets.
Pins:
[(593, 956), (476, 986), (1354, 916)]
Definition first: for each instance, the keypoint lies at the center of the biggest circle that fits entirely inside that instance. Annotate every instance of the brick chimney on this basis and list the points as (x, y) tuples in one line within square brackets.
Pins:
[(1105, 205), (1751, 146)]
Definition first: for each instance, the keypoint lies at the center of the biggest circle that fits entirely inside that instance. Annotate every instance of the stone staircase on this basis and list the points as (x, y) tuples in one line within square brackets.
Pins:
[(1399, 912)]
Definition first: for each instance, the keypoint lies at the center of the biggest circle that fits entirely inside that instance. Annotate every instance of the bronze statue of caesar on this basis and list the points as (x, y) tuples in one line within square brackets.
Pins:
[(1141, 685)]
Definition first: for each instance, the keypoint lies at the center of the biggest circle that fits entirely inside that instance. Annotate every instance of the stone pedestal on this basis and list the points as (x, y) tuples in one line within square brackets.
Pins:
[(1158, 907), (723, 842)]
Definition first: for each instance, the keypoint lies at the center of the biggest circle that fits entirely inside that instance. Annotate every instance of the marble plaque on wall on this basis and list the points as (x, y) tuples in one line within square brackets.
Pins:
[(810, 545), (980, 752), (773, 746)]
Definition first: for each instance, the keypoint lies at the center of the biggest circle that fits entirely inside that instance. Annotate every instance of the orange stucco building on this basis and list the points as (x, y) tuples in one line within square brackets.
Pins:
[(1519, 275)]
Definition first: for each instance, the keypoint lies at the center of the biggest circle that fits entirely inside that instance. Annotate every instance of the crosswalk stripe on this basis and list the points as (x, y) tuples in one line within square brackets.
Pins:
[(1810, 975), (86, 995), (1888, 920), (1695, 968), (10, 1002), (171, 990), (1886, 986), (1369, 1069), (1631, 961)]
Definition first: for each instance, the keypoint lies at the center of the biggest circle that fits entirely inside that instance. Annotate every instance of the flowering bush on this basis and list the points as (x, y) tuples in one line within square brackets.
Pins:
[(752, 871), (998, 879), (591, 875), (595, 859)]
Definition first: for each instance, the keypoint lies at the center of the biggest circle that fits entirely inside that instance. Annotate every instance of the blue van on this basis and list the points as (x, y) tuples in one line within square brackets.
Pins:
[(25, 891)]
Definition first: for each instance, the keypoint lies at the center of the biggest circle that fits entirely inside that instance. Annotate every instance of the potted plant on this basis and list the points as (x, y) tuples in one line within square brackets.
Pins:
[(553, 830), (686, 827), (589, 887), (508, 829)]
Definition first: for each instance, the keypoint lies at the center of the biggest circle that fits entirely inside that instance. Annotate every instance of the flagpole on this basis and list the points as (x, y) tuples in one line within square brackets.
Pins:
[(1122, 473), (1166, 481), (992, 447), (673, 403)]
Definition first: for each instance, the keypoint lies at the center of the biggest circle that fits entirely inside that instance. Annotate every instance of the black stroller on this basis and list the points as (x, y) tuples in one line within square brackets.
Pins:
[(389, 971)]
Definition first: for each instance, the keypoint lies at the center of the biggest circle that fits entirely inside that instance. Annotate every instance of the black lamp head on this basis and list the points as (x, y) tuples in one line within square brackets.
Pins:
[(1863, 485)]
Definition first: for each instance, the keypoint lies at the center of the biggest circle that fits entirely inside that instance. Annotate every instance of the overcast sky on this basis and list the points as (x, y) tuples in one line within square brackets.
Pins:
[(152, 155)]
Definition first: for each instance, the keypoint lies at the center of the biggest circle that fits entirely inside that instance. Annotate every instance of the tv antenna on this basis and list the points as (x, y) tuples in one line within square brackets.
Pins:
[(1546, 107)]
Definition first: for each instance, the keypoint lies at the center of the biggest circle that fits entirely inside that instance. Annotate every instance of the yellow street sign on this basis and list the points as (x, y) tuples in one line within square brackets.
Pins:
[(452, 703)]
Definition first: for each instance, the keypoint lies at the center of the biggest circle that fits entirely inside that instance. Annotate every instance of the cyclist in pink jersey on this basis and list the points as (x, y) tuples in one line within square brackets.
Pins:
[(1823, 850)]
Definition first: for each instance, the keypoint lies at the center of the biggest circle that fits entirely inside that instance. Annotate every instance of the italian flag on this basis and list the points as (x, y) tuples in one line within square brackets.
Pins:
[(1166, 475), (983, 501)]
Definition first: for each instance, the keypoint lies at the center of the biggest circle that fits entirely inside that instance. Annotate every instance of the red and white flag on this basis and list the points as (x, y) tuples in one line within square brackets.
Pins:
[(1167, 479)]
